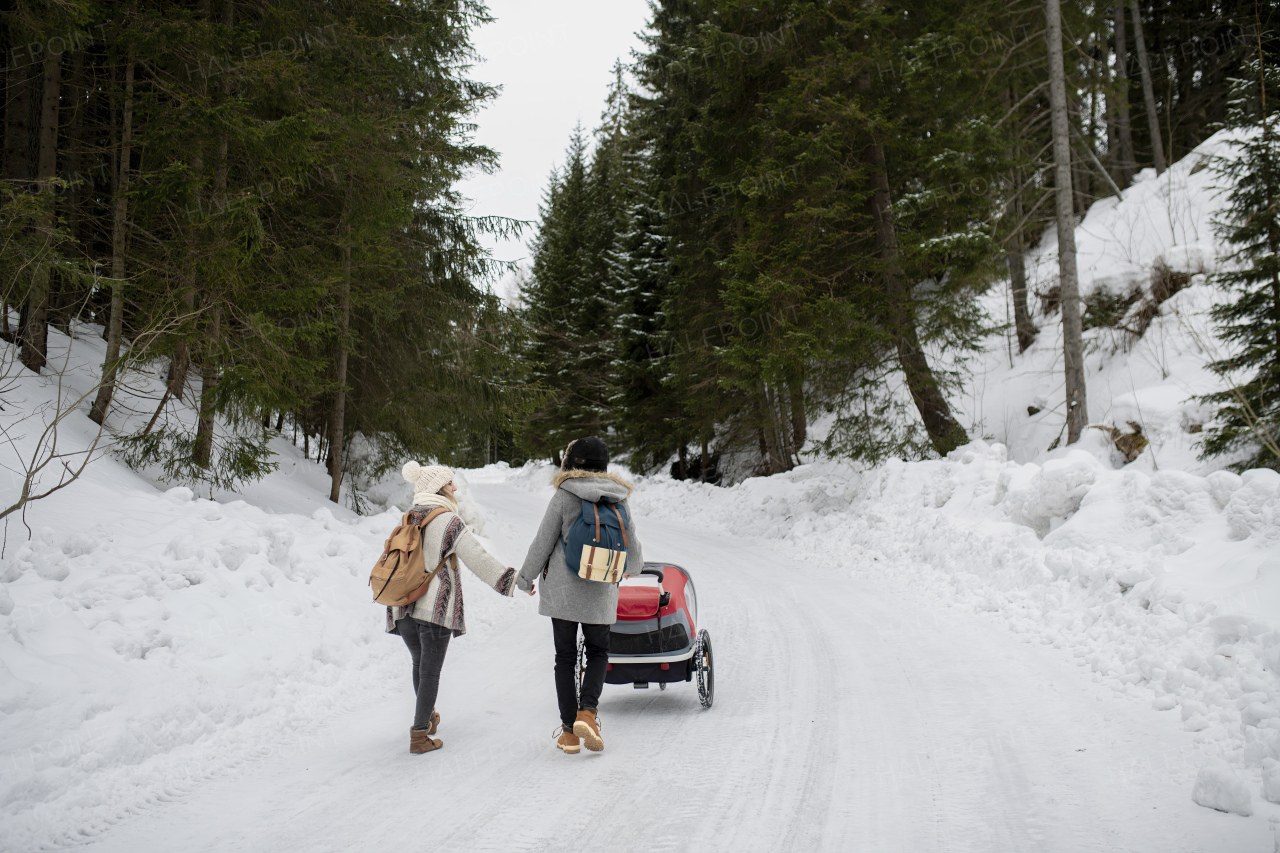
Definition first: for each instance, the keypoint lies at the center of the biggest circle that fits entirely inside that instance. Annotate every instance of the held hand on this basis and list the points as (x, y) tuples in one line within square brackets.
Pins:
[(532, 589)]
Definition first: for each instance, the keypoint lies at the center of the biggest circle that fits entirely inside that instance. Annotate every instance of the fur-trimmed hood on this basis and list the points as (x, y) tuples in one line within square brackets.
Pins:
[(593, 485)]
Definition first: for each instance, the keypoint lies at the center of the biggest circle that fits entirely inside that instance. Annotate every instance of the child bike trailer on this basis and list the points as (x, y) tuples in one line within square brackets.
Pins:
[(656, 638)]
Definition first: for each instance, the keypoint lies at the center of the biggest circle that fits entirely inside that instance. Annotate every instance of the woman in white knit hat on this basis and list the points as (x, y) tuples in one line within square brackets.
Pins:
[(428, 624)]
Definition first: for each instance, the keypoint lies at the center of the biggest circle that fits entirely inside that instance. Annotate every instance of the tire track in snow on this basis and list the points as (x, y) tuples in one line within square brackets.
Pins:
[(802, 789)]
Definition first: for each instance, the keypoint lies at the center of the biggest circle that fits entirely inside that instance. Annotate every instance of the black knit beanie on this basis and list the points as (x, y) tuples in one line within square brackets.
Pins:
[(587, 454)]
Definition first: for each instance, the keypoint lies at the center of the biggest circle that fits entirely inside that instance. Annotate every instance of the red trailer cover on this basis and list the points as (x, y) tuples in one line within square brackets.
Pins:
[(638, 602)]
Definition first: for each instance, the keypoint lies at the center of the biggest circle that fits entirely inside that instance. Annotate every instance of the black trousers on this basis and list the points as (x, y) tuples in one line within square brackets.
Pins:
[(427, 644), (597, 641)]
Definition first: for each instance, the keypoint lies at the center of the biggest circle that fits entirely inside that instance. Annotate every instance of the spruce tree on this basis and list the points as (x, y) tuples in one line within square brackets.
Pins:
[(550, 302), (1248, 417), (644, 405)]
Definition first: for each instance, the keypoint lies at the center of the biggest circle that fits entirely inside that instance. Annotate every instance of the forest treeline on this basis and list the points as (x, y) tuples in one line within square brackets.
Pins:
[(788, 209), (785, 216), (259, 197)]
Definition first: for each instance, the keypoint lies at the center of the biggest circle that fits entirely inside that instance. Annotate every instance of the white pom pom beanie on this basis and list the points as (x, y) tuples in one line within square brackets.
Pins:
[(427, 482)]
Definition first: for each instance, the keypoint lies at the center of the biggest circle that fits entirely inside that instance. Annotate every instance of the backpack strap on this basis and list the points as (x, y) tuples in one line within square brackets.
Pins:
[(422, 590), (622, 524)]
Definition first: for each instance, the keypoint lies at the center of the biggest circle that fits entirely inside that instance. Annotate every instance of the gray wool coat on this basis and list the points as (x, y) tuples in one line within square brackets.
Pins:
[(562, 594)]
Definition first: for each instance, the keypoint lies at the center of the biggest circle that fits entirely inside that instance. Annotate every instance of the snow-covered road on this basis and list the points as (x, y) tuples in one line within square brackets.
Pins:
[(846, 718)]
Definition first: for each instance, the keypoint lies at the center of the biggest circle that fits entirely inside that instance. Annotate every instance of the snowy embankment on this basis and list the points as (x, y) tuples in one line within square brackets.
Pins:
[(1166, 586), (1160, 236), (150, 639)]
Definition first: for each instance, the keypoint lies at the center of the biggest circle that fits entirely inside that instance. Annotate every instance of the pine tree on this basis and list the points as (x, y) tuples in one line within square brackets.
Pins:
[(697, 231), (558, 303), (643, 404), (1248, 418)]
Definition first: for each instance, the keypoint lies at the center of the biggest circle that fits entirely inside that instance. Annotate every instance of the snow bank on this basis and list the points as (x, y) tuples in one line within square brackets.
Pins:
[(150, 639), (167, 639), (1166, 585), (162, 640)]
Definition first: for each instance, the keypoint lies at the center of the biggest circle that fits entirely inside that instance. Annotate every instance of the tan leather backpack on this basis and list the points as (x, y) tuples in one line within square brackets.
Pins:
[(400, 576)]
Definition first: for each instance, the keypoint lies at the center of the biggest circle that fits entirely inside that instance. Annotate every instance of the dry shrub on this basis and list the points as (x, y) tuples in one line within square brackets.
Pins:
[(1165, 282)]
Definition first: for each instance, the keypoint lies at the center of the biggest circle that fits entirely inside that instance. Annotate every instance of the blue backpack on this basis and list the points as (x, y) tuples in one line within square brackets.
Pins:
[(596, 547)]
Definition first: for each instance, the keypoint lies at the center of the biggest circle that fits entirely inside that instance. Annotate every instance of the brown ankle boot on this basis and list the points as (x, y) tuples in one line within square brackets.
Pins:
[(420, 741), (568, 741), (587, 727), (435, 723)]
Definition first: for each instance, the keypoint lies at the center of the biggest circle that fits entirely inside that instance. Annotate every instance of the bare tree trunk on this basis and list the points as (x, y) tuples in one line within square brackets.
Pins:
[(280, 421), (703, 462), (1073, 351), (1148, 90), (35, 330), (1015, 255), (337, 419), (119, 223), (337, 416), (683, 455), (774, 453), (1124, 127), (944, 432), (764, 448), (799, 421), (180, 363), (202, 452), (1026, 330), (155, 416), (777, 440)]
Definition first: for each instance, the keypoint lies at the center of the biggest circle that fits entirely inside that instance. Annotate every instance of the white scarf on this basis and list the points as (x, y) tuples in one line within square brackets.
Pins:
[(435, 499)]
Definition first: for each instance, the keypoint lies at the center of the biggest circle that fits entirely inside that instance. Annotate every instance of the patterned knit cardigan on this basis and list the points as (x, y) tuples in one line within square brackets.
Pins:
[(442, 603)]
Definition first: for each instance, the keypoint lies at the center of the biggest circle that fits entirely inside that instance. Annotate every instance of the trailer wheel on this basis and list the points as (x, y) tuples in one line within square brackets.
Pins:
[(704, 668)]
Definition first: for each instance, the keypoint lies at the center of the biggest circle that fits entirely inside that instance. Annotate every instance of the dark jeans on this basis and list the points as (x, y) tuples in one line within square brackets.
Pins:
[(566, 637), (427, 644)]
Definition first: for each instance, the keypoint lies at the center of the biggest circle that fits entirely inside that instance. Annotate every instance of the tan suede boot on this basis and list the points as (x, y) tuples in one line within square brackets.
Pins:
[(587, 727), (434, 723), (420, 741), (568, 741)]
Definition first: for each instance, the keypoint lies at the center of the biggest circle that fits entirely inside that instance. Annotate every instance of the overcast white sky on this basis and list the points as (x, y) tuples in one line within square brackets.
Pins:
[(553, 59)]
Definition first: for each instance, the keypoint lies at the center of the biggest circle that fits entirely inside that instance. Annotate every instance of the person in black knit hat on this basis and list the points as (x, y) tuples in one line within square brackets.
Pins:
[(586, 454), (571, 601)]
